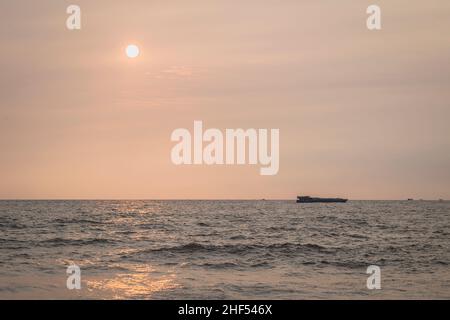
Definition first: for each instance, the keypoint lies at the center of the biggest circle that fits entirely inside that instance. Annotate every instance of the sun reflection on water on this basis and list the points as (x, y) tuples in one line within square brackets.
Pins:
[(141, 282)]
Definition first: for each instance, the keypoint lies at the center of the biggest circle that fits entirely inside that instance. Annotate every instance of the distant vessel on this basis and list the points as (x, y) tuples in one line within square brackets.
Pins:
[(307, 199), (410, 199)]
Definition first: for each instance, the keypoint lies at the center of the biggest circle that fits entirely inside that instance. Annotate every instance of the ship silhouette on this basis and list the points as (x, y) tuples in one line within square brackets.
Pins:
[(307, 199)]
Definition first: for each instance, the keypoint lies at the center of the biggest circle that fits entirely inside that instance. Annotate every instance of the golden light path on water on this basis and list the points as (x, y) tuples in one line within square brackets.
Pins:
[(139, 283)]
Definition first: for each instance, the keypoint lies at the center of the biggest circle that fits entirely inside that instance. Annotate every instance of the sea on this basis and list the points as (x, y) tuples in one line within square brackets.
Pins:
[(152, 249)]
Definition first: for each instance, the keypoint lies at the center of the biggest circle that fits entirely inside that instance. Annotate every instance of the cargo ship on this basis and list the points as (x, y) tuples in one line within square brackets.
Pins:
[(307, 199)]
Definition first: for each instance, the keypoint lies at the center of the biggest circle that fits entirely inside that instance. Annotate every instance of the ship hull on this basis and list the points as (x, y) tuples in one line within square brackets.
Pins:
[(320, 200)]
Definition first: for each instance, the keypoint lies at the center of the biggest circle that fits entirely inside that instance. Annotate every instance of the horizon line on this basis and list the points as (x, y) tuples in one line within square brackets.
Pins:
[(196, 199)]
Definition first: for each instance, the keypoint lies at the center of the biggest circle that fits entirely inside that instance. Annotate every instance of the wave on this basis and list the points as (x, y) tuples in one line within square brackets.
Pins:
[(82, 221), (286, 247), (220, 265), (75, 242)]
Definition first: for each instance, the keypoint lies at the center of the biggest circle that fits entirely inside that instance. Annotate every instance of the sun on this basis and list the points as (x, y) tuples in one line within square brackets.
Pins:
[(132, 51)]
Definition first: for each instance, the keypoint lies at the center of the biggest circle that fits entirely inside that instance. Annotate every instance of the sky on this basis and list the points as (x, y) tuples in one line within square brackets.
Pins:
[(362, 114)]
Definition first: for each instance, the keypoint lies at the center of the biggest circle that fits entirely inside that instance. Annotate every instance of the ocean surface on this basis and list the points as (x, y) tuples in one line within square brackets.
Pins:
[(224, 249)]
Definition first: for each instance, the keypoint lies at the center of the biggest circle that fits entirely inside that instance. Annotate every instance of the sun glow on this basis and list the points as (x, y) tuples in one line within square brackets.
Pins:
[(132, 51)]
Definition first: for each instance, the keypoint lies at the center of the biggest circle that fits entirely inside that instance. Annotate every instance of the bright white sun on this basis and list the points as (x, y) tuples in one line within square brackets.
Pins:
[(132, 51)]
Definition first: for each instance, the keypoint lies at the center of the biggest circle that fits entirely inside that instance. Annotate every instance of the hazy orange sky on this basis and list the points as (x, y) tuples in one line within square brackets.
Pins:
[(362, 114)]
